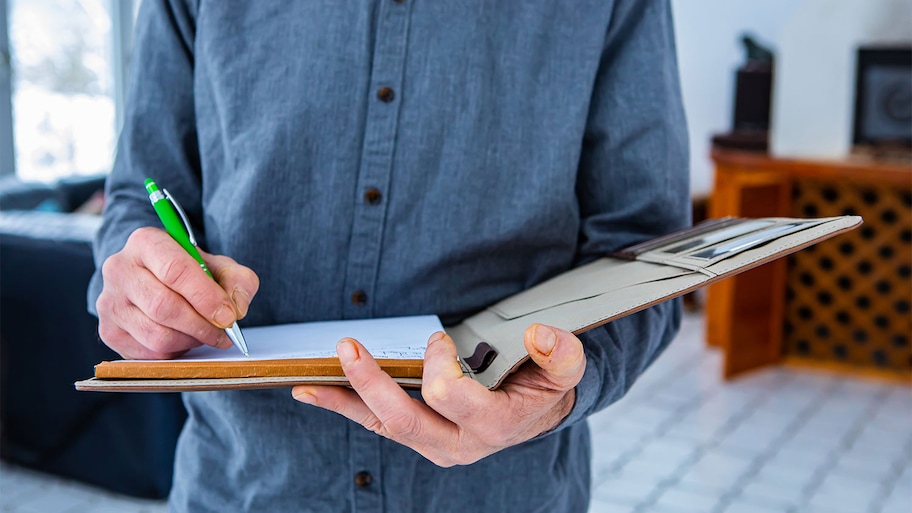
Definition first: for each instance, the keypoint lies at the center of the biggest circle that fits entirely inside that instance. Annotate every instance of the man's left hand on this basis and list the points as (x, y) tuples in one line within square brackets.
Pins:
[(460, 420)]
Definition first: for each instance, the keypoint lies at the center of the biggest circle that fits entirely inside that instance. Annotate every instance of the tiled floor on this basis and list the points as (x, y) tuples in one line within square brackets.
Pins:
[(777, 441)]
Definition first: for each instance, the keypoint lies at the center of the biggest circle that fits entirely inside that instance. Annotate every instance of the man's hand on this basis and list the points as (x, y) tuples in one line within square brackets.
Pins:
[(461, 421), (157, 302)]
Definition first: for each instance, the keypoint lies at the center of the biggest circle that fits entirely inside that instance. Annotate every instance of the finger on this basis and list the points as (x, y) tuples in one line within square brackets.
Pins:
[(401, 418), (350, 405), (180, 272), (134, 284), (126, 345), (558, 353), (449, 392), (341, 400), (119, 319), (239, 281), (165, 307)]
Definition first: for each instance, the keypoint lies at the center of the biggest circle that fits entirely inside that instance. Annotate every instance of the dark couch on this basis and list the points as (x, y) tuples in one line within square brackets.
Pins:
[(121, 442)]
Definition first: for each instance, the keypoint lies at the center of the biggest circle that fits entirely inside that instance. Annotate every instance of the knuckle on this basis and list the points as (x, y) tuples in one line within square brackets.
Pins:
[(435, 393), (137, 238), (206, 333), (402, 425), (174, 272), (107, 331), (373, 424), (444, 462), (161, 339), (463, 457), (140, 238), (204, 301), (161, 308), (107, 267), (104, 304), (112, 266), (252, 280)]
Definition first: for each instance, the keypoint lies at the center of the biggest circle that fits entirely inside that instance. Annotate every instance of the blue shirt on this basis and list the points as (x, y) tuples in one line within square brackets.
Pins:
[(393, 157)]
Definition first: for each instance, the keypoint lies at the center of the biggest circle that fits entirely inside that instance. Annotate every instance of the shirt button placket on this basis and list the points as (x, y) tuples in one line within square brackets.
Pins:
[(371, 201)]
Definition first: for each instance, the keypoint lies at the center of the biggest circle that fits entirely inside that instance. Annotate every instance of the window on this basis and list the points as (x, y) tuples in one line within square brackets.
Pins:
[(65, 85)]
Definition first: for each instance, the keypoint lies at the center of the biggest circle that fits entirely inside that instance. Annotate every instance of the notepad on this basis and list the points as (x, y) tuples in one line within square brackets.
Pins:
[(403, 338), (288, 351)]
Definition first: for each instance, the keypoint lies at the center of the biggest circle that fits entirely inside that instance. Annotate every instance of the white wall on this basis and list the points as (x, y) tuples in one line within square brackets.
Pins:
[(709, 52), (813, 93), (814, 89)]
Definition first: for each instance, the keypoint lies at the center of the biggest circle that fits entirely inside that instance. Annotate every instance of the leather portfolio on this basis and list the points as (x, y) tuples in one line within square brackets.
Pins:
[(490, 343)]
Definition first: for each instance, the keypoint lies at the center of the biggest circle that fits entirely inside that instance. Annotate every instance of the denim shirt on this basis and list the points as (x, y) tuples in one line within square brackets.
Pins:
[(396, 157)]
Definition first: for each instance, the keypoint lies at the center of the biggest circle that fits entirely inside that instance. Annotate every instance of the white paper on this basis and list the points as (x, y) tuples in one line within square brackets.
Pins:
[(392, 337)]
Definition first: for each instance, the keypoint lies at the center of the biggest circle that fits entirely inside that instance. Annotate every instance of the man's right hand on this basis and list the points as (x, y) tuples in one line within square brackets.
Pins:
[(157, 302)]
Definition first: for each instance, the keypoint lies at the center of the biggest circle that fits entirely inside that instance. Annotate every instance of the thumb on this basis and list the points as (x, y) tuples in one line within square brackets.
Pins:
[(559, 353), (240, 282)]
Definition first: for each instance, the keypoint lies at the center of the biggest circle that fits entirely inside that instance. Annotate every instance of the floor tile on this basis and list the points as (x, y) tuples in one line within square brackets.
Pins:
[(715, 473), (781, 496), (678, 500), (899, 501), (747, 507), (864, 465), (776, 474), (626, 489), (598, 506)]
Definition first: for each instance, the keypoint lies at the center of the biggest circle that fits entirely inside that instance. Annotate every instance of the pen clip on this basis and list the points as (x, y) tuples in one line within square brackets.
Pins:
[(182, 214)]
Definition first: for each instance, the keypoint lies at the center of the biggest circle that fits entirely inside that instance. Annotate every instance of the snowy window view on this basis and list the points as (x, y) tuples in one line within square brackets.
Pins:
[(62, 87)]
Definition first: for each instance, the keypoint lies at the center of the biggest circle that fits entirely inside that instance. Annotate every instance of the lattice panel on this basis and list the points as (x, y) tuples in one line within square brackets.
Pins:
[(848, 299)]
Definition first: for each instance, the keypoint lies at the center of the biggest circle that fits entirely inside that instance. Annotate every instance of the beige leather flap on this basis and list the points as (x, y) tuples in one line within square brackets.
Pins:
[(600, 277), (607, 289)]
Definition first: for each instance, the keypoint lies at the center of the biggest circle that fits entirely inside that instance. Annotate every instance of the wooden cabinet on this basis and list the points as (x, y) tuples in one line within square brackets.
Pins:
[(843, 303)]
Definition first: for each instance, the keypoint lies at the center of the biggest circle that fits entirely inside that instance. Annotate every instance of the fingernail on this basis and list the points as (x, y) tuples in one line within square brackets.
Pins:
[(241, 300), (347, 352), (436, 337), (224, 316), (221, 341), (544, 340), (304, 396)]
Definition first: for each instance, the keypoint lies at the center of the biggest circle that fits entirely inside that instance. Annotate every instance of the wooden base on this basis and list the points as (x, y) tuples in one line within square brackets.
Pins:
[(746, 315)]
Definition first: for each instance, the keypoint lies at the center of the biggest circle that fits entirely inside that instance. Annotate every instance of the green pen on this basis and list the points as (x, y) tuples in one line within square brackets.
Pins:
[(178, 227)]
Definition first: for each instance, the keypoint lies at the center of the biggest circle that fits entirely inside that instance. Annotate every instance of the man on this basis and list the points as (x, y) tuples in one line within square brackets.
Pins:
[(346, 160)]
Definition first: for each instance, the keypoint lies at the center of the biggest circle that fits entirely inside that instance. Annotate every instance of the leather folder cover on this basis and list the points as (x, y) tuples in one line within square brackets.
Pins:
[(490, 343)]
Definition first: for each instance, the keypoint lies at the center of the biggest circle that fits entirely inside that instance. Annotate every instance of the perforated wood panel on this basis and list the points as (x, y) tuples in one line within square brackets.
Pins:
[(848, 299)]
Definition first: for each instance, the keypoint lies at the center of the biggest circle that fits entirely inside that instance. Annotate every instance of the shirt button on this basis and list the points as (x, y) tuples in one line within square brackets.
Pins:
[(363, 479), (373, 196), (359, 298), (386, 94)]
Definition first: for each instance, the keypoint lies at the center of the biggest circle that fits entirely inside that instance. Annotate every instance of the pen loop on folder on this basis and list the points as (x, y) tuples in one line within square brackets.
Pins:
[(182, 214), (481, 359)]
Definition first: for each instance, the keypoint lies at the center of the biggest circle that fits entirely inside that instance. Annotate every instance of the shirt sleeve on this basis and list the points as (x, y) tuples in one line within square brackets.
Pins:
[(158, 139), (632, 185)]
